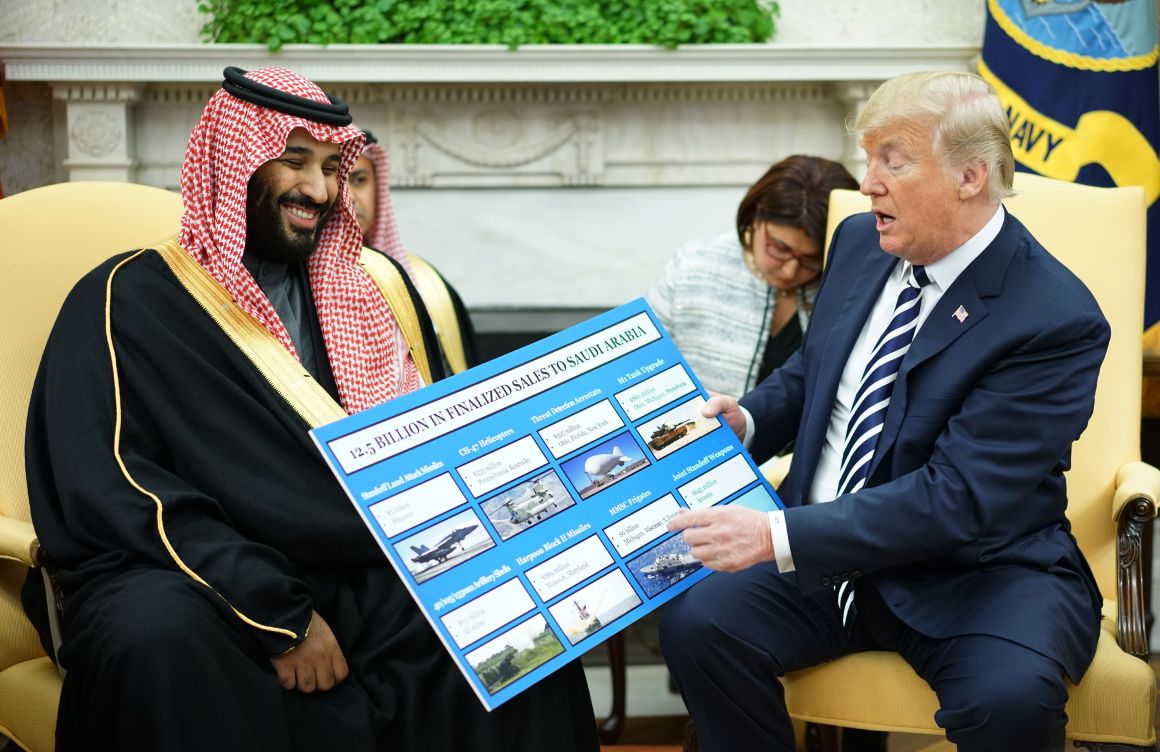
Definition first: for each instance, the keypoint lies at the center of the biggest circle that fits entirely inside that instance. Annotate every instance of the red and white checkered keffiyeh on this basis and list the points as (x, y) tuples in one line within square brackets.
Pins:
[(384, 233), (367, 353)]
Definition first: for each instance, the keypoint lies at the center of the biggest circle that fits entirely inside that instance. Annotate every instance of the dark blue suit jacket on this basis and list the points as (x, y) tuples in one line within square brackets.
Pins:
[(961, 524)]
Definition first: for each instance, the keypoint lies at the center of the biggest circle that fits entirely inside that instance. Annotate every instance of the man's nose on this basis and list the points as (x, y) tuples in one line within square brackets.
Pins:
[(870, 185), (313, 186)]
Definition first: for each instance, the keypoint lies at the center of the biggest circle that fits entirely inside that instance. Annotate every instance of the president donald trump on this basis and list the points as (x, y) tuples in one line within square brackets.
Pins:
[(950, 363)]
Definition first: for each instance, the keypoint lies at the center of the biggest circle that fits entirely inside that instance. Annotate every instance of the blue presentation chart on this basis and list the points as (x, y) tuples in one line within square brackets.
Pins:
[(524, 502)]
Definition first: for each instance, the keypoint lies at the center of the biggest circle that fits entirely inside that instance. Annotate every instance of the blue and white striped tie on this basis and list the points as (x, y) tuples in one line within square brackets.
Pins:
[(868, 415)]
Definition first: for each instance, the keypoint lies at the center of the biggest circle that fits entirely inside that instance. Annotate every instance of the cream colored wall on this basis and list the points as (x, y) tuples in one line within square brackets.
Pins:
[(93, 22)]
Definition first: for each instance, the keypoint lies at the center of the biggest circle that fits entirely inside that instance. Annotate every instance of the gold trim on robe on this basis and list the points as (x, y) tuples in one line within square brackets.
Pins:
[(433, 290), (167, 254), (390, 283), (277, 364)]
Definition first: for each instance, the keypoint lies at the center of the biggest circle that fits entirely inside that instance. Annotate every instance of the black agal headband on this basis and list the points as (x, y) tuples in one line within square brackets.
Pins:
[(335, 112)]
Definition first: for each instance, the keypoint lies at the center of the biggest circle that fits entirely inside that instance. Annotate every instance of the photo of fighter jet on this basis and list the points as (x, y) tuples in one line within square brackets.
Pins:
[(444, 545), (527, 504), (444, 548), (604, 464)]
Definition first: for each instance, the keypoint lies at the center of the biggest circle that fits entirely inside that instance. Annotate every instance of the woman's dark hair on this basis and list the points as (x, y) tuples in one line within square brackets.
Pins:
[(794, 192)]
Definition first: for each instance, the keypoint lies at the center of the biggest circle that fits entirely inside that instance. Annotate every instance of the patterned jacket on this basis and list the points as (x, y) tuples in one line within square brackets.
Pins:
[(717, 312)]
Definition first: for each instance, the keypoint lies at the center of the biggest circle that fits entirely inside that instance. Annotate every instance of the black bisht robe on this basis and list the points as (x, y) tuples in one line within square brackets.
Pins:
[(199, 549)]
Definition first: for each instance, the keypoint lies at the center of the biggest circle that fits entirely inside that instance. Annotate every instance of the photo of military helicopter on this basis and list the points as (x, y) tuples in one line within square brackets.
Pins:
[(533, 506), (527, 504)]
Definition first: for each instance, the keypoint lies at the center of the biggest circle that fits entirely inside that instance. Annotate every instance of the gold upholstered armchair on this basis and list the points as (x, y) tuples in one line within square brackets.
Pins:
[(1099, 234), (49, 237)]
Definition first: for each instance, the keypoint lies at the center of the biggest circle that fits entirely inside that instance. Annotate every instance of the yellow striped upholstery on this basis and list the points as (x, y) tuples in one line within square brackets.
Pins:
[(49, 238)]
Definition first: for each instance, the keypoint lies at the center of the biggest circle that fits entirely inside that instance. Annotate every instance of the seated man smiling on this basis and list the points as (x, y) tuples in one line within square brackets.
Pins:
[(220, 591)]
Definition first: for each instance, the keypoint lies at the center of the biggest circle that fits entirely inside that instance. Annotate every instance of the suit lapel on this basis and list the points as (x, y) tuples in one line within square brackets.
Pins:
[(983, 278)]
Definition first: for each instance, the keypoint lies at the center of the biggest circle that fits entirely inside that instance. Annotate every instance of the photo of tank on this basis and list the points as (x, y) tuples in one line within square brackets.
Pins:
[(675, 428), (501, 661), (666, 434)]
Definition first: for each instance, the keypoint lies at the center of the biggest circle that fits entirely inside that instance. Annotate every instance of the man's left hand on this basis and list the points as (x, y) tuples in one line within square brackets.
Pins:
[(726, 539), (315, 664)]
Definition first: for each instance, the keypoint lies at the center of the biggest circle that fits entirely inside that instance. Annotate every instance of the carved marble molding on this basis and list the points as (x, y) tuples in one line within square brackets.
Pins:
[(853, 96), (99, 127), (580, 93), (549, 135), (392, 64), (487, 116)]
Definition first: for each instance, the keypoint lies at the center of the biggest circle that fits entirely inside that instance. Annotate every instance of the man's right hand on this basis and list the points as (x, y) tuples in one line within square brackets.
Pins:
[(729, 409), (316, 663)]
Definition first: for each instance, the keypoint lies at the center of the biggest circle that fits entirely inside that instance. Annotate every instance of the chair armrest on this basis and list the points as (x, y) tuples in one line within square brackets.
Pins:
[(18, 541), (1136, 481), (776, 468), (1133, 505)]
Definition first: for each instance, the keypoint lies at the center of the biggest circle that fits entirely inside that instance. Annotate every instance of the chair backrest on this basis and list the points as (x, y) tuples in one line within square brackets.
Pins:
[(1098, 233), (49, 238)]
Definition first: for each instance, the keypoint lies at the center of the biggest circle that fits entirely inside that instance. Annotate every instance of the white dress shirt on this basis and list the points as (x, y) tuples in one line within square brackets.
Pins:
[(942, 274)]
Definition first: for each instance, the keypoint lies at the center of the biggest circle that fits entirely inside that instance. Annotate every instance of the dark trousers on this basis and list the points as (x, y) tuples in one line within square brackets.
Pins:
[(728, 639), (157, 661)]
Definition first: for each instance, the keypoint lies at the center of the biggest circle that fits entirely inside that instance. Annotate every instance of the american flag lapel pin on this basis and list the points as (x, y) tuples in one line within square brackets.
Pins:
[(961, 314)]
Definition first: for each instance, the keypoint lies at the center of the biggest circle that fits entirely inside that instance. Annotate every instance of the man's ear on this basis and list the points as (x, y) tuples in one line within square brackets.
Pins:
[(973, 179)]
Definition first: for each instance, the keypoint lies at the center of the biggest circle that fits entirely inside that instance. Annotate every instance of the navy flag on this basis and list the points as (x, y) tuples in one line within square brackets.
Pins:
[(1079, 81)]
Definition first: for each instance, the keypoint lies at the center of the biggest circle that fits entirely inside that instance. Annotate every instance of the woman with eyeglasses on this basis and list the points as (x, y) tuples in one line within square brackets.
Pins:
[(737, 305)]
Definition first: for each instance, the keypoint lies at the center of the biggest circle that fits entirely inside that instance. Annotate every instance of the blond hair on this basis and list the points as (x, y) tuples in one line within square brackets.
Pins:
[(969, 122)]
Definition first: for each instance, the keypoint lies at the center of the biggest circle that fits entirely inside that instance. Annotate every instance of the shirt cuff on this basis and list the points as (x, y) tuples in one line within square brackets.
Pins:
[(749, 428), (781, 553)]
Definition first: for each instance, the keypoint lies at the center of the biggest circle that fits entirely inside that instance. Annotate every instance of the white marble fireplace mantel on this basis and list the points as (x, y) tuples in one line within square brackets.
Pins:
[(547, 176), (387, 64)]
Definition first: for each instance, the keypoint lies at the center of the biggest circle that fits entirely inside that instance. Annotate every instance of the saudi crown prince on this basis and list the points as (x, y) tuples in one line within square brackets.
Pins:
[(219, 590)]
